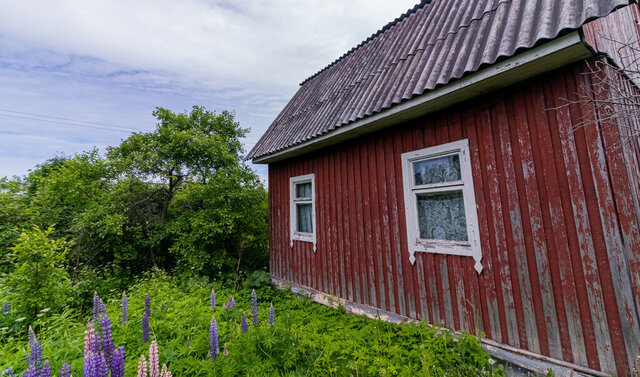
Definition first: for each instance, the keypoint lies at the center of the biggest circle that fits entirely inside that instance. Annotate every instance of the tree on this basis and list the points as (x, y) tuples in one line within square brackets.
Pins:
[(15, 214), (39, 279)]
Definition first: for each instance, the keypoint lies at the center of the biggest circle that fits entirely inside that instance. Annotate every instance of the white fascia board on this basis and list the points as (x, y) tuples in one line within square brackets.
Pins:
[(547, 57)]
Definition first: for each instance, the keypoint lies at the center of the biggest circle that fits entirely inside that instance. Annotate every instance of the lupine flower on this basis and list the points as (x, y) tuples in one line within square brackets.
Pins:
[(165, 372), (8, 372), (46, 369), (6, 308), (254, 309), (104, 367), (162, 307), (231, 303), (142, 367), (212, 299), (65, 371), (96, 364), (117, 363), (96, 307), (107, 338), (31, 372), (272, 315), (147, 304), (213, 338), (154, 362), (243, 325), (86, 365), (35, 354), (125, 308), (145, 328), (91, 341)]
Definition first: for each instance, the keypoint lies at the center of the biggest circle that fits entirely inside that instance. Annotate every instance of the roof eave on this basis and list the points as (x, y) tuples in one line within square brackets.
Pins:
[(547, 57)]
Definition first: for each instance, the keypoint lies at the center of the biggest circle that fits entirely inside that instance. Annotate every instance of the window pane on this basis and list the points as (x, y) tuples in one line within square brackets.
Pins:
[(441, 216), (303, 190), (303, 214), (437, 170)]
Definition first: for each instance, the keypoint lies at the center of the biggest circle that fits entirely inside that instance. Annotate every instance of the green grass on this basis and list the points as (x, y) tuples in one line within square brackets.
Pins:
[(308, 339)]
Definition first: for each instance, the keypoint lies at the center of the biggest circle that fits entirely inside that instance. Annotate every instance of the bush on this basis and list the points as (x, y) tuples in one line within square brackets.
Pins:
[(39, 279)]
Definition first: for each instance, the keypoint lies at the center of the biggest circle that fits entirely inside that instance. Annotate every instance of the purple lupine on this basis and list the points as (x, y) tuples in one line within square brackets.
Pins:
[(231, 303), (162, 307), (272, 315), (96, 307), (96, 364), (125, 308), (86, 365), (104, 367), (254, 309), (46, 369), (147, 304), (213, 338), (117, 362), (65, 371), (35, 354), (6, 308), (107, 338), (243, 325), (212, 300), (31, 372), (145, 327), (8, 372)]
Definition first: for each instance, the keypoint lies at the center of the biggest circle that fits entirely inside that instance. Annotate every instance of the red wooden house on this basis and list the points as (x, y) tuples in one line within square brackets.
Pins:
[(436, 172)]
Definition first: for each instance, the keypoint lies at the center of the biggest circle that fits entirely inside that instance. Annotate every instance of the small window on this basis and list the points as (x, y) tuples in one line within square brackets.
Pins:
[(303, 210), (440, 202)]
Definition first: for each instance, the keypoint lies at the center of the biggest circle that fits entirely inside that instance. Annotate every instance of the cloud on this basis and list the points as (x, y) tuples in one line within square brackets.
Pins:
[(113, 61)]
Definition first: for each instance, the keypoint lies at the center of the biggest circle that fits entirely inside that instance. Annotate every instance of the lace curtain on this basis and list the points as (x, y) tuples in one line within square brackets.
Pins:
[(441, 216)]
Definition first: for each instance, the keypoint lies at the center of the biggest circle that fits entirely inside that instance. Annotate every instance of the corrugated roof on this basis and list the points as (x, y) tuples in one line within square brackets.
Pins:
[(430, 45)]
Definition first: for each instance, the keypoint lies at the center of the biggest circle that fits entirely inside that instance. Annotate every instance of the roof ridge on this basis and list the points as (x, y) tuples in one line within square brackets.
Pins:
[(386, 27)]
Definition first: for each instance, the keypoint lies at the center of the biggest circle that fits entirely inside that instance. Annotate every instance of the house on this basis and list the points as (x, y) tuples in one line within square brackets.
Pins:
[(465, 165)]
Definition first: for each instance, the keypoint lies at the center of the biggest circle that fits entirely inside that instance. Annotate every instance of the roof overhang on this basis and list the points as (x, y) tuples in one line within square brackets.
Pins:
[(547, 57)]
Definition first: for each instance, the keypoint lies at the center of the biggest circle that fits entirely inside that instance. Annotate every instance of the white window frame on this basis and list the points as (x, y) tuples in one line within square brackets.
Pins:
[(293, 220), (415, 243)]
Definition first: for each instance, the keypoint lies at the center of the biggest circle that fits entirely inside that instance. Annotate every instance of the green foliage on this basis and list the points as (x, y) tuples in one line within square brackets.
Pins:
[(308, 339), (39, 278), (258, 279), (15, 215)]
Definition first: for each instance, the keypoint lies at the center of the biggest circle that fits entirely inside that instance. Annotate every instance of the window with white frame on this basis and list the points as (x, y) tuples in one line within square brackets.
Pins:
[(303, 209), (440, 202)]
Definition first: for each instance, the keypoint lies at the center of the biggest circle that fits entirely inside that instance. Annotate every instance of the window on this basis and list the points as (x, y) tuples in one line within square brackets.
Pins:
[(303, 209), (440, 202)]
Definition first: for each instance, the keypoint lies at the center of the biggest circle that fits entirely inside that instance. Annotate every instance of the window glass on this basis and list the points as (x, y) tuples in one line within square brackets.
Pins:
[(303, 190), (303, 215), (437, 170), (441, 216)]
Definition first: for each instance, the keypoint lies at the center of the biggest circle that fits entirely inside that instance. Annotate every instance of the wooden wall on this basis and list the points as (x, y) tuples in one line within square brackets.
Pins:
[(558, 223)]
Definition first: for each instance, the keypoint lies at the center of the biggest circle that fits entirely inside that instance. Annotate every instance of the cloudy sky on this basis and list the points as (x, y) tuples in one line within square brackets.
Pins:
[(79, 74)]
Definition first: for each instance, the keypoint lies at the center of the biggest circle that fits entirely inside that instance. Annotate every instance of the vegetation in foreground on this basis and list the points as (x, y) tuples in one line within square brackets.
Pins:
[(301, 338)]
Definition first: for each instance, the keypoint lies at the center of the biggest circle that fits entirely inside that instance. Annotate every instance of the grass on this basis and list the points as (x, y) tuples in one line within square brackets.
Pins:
[(308, 339)]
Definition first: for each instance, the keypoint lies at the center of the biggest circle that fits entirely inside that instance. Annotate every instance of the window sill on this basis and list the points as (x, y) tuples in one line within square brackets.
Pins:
[(304, 237), (459, 248)]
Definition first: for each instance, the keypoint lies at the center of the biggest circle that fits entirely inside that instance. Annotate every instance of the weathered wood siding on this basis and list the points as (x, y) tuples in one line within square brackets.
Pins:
[(557, 216)]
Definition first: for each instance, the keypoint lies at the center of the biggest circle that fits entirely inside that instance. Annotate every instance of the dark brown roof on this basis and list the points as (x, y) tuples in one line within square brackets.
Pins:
[(430, 45)]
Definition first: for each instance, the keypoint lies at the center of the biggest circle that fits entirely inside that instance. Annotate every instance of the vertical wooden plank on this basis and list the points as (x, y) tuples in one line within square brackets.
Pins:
[(385, 242), (393, 202), (368, 231), (376, 227), (326, 213), (339, 222), (536, 259), (346, 235), (353, 228), (334, 225), (557, 174), (496, 232), (363, 264), (523, 297), (488, 291), (407, 268)]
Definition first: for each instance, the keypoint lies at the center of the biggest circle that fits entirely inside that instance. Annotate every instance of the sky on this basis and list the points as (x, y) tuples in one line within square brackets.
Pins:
[(75, 75)]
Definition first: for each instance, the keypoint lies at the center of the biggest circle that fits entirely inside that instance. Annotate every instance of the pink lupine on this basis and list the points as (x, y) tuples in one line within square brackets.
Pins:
[(154, 363), (142, 367)]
